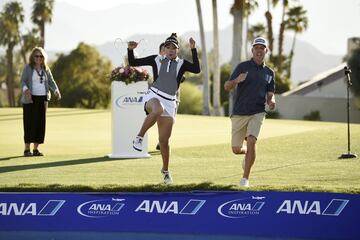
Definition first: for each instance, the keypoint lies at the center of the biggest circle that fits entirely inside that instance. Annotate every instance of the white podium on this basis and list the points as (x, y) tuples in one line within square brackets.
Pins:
[(127, 118)]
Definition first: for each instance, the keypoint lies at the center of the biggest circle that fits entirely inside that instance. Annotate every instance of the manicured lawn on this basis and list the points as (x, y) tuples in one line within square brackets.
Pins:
[(292, 156)]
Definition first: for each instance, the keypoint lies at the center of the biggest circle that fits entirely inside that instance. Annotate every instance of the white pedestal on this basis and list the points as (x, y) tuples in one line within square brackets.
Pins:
[(127, 118)]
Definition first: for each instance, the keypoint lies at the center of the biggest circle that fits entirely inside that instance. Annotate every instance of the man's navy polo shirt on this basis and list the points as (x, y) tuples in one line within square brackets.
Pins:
[(250, 96)]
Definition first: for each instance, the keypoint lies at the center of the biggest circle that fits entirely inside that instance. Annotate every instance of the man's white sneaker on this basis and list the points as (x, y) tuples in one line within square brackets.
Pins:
[(167, 177), (137, 143), (243, 150), (244, 182)]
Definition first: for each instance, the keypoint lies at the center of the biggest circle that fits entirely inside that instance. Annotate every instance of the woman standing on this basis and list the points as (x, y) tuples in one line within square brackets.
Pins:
[(160, 100), (36, 83)]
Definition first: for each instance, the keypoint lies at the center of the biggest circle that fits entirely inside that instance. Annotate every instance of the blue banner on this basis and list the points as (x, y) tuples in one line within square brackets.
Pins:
[(263, 214)]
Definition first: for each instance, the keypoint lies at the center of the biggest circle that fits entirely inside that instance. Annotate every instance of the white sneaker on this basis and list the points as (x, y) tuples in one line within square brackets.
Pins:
[(167, 177), (137, 143), (243, 150), (244, 182)]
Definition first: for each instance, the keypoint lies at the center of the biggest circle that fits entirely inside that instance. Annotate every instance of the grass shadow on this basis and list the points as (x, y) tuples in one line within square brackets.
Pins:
[(54, 114), (59, 163), (75, 113), (8, 158), (290, 165), (153, 153)]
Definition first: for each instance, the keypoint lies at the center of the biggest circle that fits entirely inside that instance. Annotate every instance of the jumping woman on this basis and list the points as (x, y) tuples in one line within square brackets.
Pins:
[(160, 100)]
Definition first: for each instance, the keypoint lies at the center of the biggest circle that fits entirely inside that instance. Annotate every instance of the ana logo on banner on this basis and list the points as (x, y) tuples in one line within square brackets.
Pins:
[(101, 208), (241, 208), (334, 208), (165, 207), (21, 209)]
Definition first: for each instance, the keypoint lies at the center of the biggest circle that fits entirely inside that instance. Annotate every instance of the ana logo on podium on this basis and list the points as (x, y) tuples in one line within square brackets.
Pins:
[(129, 100)]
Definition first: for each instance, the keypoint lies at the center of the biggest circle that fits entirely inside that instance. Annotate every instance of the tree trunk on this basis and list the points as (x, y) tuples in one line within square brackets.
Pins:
[(238, 13), (22, 49), (216, 83), (281, 42), (204, 65), (281, 46), (291, 55), (42, 32), (10, 75), (247, 38), (270, 35)]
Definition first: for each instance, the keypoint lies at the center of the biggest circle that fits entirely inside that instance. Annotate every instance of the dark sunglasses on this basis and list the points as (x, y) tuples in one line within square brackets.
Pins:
[(39, 56)]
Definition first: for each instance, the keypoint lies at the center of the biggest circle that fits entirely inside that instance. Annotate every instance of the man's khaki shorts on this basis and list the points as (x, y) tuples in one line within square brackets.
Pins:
[(244, 126)]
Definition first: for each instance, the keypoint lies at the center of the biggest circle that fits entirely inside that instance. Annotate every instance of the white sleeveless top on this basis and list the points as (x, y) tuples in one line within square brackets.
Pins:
[(38, 86)]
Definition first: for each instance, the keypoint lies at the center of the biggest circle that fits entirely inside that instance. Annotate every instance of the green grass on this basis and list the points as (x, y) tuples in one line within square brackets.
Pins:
[(291, 156)]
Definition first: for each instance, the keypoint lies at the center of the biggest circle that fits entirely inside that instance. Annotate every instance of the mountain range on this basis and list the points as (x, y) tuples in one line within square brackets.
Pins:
[(308, 60), (71, 24)]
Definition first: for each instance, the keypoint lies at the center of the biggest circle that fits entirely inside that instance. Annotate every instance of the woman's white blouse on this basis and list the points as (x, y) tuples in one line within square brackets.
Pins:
[(38, 88)]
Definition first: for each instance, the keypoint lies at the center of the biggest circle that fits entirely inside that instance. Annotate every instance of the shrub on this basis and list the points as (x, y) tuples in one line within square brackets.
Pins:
[(313, 116), (190, 99), (273, 114), (82, 78)]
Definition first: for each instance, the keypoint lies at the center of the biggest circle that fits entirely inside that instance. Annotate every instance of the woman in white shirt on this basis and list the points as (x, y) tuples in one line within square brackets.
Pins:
[(36, 83)]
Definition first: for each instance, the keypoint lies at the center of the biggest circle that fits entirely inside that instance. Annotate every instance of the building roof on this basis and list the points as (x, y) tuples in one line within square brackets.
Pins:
[(319, 80)]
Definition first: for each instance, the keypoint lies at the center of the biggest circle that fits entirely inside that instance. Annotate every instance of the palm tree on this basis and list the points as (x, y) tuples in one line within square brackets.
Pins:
[(216, 82), (256, 30), (28, 41), (298, 22), (268, 16), (250, 6), (10, 20), (237, 10), (3, 69), (42, 14), (206, 90), (285, 4)]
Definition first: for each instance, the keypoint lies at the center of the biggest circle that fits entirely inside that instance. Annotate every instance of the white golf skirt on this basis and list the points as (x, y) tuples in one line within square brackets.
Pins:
[(168, 102)]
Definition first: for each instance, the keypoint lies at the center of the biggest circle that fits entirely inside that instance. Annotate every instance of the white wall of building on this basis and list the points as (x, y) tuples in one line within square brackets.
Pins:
[(331, 109), (336, 89)]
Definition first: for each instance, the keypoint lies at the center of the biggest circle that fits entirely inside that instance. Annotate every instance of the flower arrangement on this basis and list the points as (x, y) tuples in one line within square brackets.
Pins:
[(129, 74)]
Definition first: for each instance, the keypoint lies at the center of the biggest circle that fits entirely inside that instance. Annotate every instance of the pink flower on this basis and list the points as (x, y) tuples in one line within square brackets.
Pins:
[(129, 74), (139, 69)]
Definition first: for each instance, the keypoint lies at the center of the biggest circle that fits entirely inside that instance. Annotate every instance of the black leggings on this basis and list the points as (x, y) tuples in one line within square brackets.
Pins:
[(34, 120)]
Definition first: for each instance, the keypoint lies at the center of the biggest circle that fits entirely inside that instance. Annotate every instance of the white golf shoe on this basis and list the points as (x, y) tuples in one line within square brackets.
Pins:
[(167, 177), (137, 143), (244, 182)]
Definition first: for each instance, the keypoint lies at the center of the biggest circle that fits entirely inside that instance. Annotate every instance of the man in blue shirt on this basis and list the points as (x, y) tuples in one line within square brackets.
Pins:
[(255, 86)]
